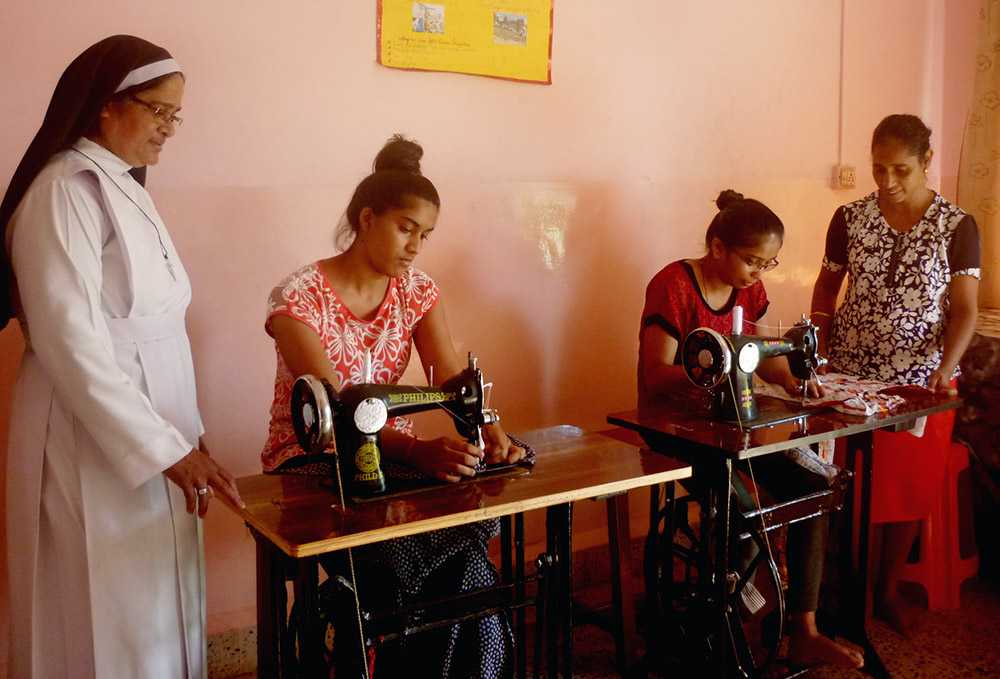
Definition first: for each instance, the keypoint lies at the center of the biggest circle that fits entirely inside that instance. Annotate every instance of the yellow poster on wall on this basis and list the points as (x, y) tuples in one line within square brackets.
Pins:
[(509, 39)]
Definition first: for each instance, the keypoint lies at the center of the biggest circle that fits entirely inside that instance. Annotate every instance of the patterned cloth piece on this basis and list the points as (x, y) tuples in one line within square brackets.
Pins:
[(844, 393)]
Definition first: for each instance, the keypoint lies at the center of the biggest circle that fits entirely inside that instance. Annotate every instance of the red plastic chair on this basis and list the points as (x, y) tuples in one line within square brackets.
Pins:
[(943, 565)]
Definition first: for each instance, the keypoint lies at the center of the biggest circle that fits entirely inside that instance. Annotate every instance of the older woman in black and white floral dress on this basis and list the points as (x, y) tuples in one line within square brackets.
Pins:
[(907, 317)]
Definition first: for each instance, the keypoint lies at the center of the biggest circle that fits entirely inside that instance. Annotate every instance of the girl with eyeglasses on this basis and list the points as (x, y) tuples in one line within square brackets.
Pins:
[(742, 241)]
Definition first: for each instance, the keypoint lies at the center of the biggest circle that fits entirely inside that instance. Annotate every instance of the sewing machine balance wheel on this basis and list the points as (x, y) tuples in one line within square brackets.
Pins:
[(312, 416), (707, 357)]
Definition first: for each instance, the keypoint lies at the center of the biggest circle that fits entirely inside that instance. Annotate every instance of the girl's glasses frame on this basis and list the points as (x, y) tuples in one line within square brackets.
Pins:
[(756, 265)]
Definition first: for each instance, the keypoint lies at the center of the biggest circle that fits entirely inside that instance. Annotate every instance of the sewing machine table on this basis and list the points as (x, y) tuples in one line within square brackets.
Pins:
[(712, 448), (294, 517)]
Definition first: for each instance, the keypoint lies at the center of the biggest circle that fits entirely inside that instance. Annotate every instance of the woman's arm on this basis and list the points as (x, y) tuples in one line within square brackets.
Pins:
[(824, 304), (433, 341), (659, 373), (302, 350), (962, 312)]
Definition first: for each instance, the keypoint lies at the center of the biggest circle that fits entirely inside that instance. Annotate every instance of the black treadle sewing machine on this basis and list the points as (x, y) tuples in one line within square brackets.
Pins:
[(725, 363), (357, 414)]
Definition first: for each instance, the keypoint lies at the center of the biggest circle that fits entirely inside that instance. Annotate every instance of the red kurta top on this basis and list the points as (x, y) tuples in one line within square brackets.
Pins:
[(674, 302), (308, 296)]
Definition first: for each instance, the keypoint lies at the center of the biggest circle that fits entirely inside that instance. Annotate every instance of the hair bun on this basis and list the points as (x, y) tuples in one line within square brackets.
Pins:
[(728, 198), (399, 153)]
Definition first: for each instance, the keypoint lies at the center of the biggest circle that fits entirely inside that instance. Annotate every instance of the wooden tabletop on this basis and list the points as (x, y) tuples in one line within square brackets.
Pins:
[(684, 422), (301, 514)]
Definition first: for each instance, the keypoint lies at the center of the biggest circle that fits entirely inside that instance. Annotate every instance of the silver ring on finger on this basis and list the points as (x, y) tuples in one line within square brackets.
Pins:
[(203, 491)]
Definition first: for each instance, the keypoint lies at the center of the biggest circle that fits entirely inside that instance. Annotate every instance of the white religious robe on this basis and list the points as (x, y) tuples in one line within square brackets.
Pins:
[(106, 566)]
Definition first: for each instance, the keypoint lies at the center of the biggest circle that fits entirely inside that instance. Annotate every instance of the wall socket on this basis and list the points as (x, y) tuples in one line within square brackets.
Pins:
[(843, 177)]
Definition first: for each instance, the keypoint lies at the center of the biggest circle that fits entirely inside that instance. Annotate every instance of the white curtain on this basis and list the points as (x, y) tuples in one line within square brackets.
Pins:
[(979, 171)]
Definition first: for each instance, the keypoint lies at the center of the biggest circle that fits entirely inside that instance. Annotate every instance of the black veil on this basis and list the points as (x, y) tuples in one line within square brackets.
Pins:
[(84, 88)]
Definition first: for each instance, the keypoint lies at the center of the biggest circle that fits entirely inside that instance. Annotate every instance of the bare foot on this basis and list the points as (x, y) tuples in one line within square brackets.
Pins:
[(895, 614), (806, 650)]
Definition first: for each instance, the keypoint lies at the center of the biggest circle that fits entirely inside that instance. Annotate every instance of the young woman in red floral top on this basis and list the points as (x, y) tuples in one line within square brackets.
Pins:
[(368, 300)]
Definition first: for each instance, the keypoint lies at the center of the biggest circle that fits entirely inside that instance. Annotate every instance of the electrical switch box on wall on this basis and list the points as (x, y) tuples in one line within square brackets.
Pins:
[(843, 177)]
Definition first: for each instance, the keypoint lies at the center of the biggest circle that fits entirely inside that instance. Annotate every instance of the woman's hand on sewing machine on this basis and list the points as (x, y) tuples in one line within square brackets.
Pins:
[(813, 388), (444, 458), (776, 371), (499, 448)]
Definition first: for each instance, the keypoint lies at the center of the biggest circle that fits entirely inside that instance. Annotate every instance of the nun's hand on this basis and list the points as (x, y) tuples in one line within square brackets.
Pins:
[(200, 478)]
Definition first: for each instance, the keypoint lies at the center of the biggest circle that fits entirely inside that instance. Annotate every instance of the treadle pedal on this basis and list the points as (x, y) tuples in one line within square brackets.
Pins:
[(752, 598)]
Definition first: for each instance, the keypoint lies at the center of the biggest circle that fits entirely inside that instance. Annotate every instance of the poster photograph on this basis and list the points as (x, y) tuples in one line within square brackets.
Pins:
[(509, 39)]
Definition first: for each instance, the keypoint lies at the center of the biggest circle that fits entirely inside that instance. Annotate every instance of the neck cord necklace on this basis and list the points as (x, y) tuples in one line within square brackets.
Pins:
[(163, 248)]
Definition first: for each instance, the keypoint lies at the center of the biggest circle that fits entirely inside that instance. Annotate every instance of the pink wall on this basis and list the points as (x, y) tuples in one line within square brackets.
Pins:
[(559, 202)]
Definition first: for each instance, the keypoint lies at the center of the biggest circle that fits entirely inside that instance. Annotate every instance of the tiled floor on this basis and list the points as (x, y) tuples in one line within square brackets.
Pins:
[(959, 644)]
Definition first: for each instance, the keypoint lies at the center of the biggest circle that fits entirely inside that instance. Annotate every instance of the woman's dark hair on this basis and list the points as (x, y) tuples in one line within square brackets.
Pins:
[(906, 128), (742, 222), (395, 182)]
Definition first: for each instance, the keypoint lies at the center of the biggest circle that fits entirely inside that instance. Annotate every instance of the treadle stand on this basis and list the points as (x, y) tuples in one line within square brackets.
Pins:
[(302, 628), (676, 607)]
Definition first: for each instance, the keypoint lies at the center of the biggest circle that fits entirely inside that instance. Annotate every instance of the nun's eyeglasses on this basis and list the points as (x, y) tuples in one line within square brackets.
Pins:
[(161, 114)]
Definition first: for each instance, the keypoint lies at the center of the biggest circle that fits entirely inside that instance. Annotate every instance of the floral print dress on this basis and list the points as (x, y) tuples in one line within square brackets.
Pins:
[(891, 328)]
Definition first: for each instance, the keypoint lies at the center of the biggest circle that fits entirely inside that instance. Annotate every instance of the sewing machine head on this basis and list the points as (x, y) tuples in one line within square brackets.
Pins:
[(725, 363), (356, 415)]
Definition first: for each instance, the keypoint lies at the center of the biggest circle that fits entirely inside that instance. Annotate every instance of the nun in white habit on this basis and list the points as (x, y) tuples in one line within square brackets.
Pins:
[(107, 478)]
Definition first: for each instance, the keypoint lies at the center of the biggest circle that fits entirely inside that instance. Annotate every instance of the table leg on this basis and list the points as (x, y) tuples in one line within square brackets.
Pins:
[(715, 527), (559, 607), (271, 606), (519, 616), (311, 638), (505, 548), (512, 565), (856, 605), (622, 593)]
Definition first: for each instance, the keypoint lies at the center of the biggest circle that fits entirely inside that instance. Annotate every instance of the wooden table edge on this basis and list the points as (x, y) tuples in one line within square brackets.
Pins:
[(471, 516)]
